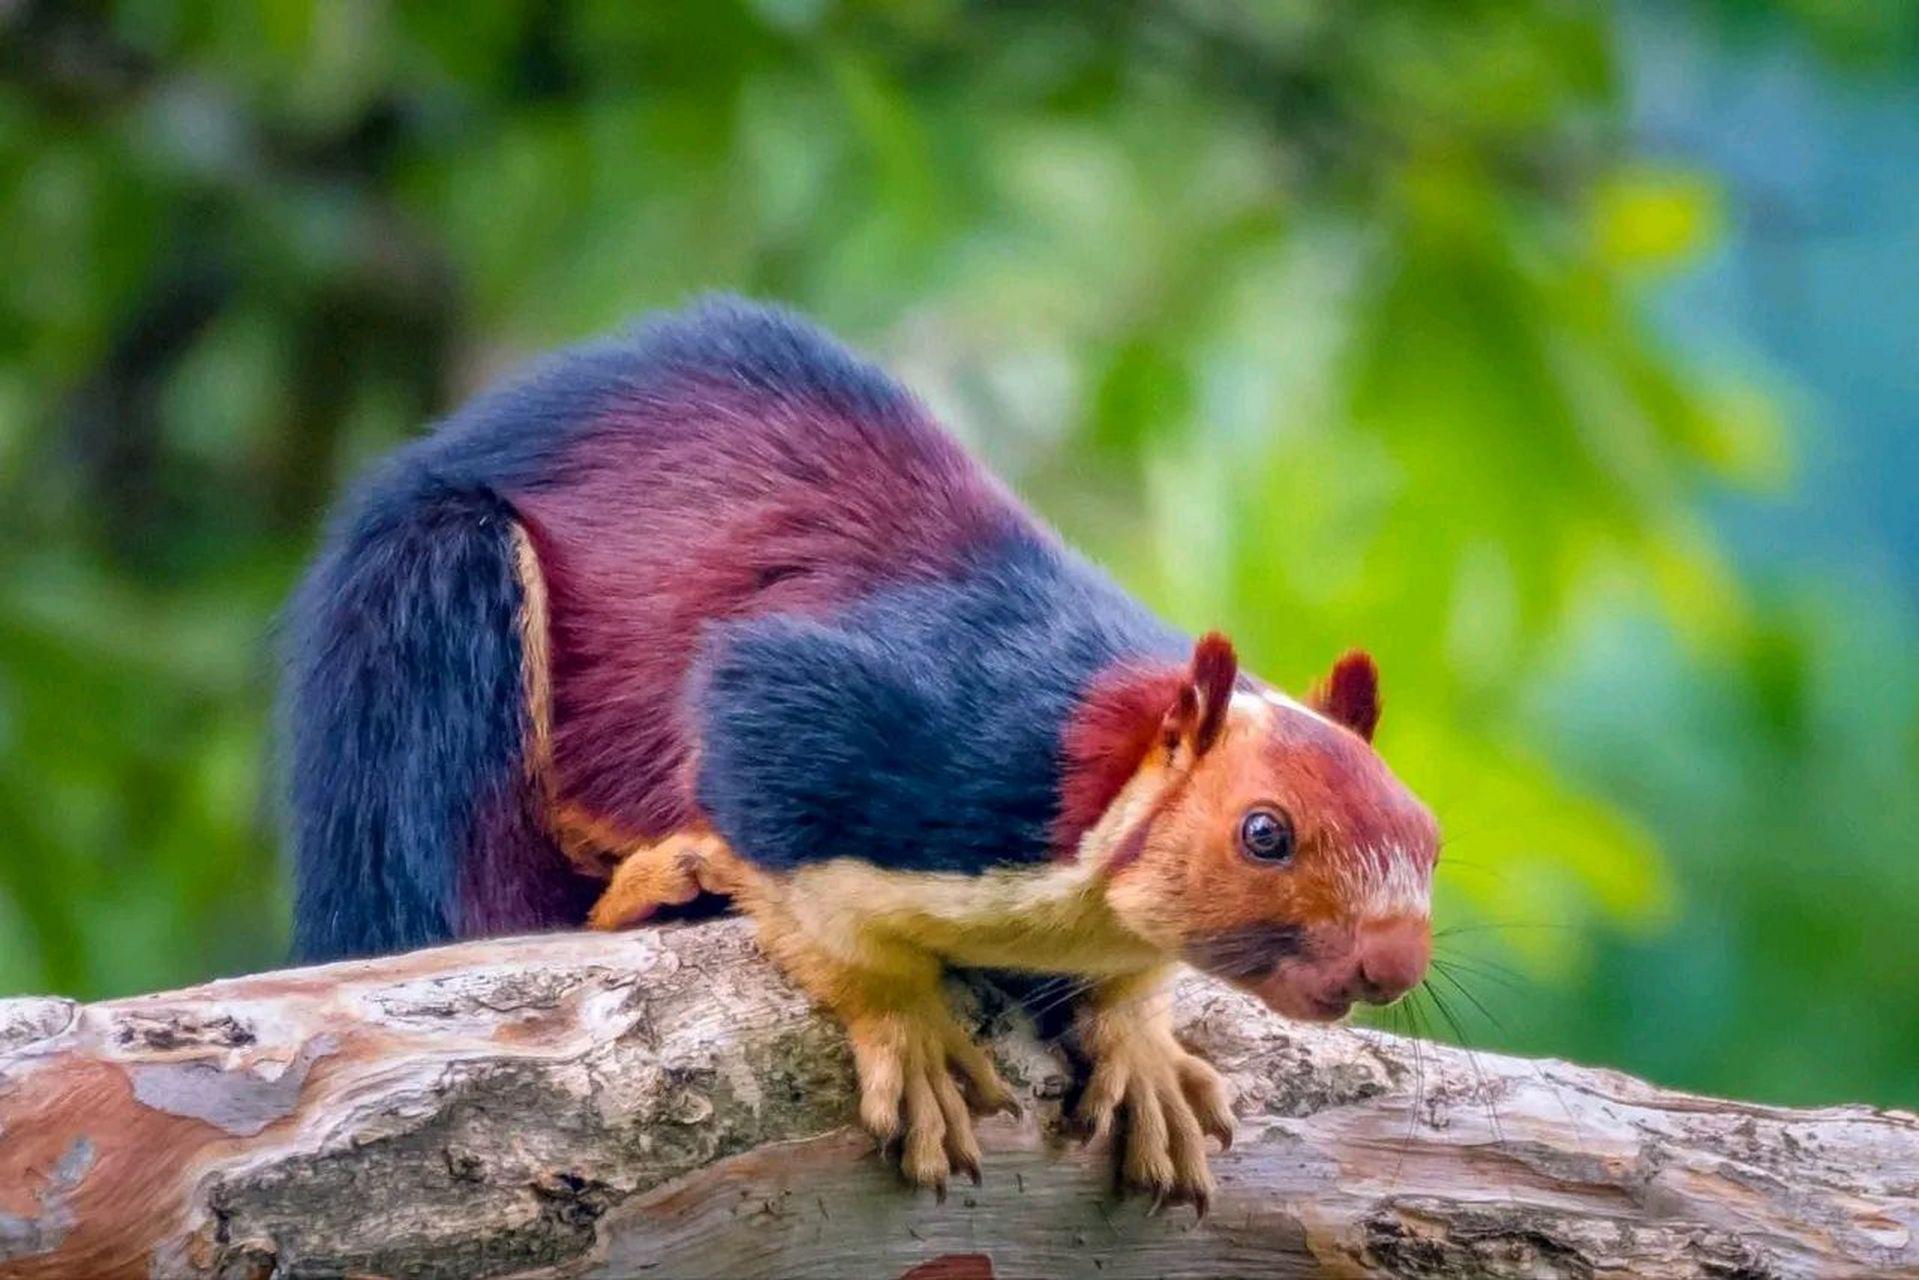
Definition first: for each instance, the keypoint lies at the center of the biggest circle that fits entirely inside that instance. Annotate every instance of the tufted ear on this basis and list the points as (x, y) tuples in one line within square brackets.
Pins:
[(1349, 693), (1198, 712)]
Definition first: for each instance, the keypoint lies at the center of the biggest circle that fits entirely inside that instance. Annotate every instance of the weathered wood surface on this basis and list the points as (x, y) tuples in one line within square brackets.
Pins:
[(660, 1103)]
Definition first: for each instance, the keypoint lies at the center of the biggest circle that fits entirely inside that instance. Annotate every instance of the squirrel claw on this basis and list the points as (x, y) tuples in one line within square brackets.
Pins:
[(1171, 1101), (1093, 1127), (908, 1093)]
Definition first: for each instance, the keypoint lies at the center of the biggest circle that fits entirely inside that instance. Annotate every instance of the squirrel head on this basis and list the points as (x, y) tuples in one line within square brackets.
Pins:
[(1256, 837)]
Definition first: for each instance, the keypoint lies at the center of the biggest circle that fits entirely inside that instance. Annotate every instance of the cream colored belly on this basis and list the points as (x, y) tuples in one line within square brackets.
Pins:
[(1049, 919)]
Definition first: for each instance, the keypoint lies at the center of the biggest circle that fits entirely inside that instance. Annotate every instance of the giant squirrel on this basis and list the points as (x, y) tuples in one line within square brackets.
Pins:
[(716, 605)]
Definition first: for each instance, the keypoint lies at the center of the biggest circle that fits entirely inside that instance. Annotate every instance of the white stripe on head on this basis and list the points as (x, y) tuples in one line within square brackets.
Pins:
[(1268, 701), (1379, 884), (1278, 699)]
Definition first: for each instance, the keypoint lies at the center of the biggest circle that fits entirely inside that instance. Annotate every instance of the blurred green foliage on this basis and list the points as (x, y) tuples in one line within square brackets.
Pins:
[(1318, 323)]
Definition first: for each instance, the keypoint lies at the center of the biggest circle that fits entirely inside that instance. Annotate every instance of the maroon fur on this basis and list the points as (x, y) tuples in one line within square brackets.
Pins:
[(507, 879), (1349, 694), (1110, 733), (702, 501), (1123, 714), (1215, 670)]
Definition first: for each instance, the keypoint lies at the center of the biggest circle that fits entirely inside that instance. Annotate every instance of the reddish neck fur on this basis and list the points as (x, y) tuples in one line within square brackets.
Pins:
[(1110, 732)]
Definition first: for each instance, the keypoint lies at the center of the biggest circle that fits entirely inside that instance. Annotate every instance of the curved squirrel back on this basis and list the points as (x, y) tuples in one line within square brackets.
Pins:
[(443, 743), (752, 465)]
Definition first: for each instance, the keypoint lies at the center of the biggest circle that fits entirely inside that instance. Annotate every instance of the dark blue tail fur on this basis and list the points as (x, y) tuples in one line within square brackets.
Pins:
[(411, 813)]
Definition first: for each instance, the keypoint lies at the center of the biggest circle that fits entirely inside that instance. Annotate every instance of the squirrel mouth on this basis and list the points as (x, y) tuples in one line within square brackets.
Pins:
[(1329, 1010), (1276, 989), (1284, 997), (1265, 961)]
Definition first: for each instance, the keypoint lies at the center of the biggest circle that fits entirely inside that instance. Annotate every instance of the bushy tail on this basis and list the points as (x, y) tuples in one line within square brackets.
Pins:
[(413, 815)]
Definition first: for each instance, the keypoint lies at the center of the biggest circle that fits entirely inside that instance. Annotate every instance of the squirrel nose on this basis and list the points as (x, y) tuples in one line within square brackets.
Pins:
[(1392, 955)]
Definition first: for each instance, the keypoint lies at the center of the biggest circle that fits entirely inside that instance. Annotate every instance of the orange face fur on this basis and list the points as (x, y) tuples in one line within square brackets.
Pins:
[(1265, 841)]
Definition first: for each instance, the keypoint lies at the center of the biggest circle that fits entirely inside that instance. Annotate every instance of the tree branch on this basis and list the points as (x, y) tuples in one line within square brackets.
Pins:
[(661, 1102)]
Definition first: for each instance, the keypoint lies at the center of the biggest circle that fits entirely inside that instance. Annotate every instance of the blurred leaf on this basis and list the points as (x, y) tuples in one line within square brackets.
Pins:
[(1647, 220)]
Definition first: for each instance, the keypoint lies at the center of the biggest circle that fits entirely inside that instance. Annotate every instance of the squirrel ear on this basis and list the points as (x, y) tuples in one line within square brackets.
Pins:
[(1349, 694), (1199, 712)]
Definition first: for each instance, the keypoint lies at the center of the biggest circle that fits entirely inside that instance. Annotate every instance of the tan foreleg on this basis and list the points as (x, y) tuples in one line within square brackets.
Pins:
[(921, 1076)]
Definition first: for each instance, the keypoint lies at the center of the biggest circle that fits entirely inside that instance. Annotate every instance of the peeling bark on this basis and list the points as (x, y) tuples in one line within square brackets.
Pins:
[(661, 1103)]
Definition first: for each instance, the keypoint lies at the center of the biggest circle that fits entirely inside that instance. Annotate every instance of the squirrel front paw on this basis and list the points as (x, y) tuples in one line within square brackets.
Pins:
[(1170, 1098), (921, 1079)]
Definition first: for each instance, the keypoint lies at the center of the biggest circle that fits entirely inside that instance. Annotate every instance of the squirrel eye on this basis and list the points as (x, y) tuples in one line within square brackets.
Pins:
[(1266, 835)]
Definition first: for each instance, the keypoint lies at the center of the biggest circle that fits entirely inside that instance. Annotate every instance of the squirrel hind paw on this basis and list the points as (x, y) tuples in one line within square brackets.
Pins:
[(670, 873)]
